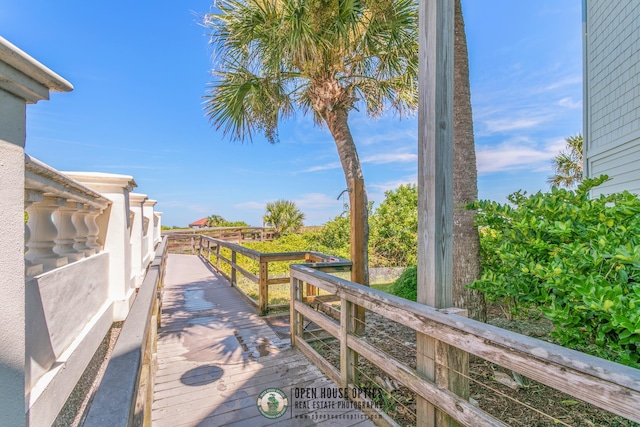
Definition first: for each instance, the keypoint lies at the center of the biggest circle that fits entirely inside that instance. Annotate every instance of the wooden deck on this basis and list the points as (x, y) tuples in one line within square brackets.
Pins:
[(216, 355)]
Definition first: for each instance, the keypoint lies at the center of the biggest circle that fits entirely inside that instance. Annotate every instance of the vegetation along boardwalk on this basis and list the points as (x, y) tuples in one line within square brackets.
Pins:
[(216, 357)]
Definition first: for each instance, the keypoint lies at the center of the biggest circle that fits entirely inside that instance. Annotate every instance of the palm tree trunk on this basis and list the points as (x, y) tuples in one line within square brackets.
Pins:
[(466, 241), (338, 126)]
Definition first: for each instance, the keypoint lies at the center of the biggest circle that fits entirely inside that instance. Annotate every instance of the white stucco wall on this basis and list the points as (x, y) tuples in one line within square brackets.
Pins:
[(149, 232), (68, 314), (60, 303), (23, 81), (136, 203), (612, 93), (117, 242), (12, 307)]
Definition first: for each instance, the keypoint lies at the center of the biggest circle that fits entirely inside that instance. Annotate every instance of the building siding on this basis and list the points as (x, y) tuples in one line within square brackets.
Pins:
[(612, 93)]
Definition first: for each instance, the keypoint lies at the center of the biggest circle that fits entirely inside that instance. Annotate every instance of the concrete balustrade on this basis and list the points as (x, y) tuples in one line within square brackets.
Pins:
[(67, 270), (62, 215), (23, 81), (137, 238), (148, 236), (157, 227)]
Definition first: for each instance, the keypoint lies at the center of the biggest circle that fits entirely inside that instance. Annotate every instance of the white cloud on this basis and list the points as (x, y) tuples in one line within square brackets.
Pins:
[(392, 185), (511, 124), (383, 158), (250, 205), (518, 154), (376, 159), (567, 81), (568, 102), (316, 201), (327, 166)]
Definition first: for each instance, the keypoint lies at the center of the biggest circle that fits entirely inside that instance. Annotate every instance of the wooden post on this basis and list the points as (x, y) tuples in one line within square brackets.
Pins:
[(435, 177), (451, 370), (311, 290), (296, 318), (348, 357), (358, 269), (218, 256), (263, 290), (233, 268)]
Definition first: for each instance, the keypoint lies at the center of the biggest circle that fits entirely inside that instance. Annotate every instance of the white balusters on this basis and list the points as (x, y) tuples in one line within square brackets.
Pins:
[(30, 267), (82, 231), (67, 231), (94, 230), (43, 233)]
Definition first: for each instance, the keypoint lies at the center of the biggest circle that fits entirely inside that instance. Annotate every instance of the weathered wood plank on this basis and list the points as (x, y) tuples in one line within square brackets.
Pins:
[(606, 384), (187, 389), (263, 289), (321, 320), (462, 410), (435, 175), (277, 281)]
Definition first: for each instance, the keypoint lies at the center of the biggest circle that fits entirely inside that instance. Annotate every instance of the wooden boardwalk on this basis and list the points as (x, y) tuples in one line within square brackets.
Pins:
[(216, 355)]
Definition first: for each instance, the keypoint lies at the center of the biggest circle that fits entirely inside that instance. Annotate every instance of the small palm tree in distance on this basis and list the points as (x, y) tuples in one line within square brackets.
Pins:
[(284, 216), (567, 165)]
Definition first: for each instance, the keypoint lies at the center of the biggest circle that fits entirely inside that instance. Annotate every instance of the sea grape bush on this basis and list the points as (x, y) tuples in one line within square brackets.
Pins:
[(574, 258)]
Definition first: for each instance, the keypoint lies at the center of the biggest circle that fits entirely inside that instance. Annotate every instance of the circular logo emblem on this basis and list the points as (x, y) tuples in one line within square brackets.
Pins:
[(272, 403)]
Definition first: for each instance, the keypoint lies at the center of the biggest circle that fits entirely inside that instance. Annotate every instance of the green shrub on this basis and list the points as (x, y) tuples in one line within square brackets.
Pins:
[(393, 239), (576, 259), (407, 284)]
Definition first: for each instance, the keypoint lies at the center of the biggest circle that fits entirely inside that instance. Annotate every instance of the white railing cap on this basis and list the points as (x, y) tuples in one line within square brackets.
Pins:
[(43, 178), (137, 197), (40, 79), (100, 179), (150, 202)]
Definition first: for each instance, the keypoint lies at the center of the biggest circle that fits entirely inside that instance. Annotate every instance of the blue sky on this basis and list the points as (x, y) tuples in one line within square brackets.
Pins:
[(140, 69)]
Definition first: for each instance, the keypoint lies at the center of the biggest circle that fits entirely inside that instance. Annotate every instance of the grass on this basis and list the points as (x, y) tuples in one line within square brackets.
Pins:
[(384, 287)]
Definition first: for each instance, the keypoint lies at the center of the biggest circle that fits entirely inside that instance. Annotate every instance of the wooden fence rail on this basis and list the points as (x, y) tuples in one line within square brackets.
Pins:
[(211, 251), (125, 394), (231, 234), (608, 385)]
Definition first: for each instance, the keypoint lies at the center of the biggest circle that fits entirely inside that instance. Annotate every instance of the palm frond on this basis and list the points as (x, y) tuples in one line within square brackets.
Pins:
[(269, 55)]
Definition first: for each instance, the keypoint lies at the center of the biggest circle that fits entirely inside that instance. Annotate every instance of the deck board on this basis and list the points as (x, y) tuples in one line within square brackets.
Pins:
[(216, 355)]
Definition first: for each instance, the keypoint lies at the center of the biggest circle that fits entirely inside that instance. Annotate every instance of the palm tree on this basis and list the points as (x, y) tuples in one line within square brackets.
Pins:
[(215, 221), (568, 164), (284, 216), (278, 57), (466, 241)]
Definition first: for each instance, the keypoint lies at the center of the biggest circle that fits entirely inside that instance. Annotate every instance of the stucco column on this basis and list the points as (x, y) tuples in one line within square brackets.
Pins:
[(157, 225), (136, 202), (148, 232), (23, 81), (118, 233)]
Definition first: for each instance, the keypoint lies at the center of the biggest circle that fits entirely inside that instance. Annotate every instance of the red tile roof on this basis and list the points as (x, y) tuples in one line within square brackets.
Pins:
[(199, 223)]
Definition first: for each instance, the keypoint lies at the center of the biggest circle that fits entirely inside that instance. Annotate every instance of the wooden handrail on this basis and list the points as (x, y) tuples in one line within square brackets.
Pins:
[(125, 393), (608, 385), (209, 247)]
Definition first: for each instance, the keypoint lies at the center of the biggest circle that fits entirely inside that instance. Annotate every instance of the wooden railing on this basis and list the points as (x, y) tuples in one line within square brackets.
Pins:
[(608, 385), (188, 236), (125, 394), (212, 251)]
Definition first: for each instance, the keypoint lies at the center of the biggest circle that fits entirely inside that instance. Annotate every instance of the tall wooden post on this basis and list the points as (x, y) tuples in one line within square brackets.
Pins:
[(358, 247), (233, 268), (263, 288), (435, 177)]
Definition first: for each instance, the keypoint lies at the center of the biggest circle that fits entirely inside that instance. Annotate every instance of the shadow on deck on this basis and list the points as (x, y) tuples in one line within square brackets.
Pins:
[(216, 355)]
